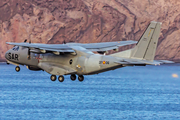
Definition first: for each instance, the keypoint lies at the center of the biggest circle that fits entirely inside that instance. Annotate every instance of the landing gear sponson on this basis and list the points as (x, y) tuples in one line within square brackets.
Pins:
[(61, 78)]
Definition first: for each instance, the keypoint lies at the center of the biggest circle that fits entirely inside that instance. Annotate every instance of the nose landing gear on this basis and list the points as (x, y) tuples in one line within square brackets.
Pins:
[(17, 68)]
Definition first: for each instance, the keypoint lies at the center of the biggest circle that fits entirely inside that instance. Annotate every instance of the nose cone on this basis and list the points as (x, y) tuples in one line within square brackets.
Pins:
[(7, 54)]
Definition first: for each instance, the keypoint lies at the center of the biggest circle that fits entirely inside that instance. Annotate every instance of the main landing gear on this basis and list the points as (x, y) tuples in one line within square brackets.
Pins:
[(17, 69), (61, 78), (80, 77), (53, 77), (73, 77)]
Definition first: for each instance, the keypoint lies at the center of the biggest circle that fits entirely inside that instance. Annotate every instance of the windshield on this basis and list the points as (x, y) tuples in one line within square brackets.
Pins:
[(15, 48)]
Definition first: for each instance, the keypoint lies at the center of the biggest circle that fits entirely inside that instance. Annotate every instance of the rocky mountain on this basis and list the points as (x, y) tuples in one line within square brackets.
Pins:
[(85, 21)]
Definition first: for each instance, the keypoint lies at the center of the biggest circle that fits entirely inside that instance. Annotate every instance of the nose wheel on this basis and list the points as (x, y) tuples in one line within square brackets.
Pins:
[(53, 77), (17, 68), (81, 78), (73, 77)]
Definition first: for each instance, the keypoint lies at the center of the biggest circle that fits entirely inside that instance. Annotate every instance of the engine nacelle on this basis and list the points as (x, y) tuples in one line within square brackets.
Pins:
[(102, 52)]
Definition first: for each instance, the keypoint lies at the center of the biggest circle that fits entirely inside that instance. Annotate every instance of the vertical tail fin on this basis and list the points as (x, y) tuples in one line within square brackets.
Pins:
[(146, 47)]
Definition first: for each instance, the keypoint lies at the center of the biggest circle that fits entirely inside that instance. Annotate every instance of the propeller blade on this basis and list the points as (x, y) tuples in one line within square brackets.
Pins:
[(25, 40), (29, 53)]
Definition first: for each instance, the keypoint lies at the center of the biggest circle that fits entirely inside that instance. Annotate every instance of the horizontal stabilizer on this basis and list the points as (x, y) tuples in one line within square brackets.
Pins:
[(164, 61), (142, 62)]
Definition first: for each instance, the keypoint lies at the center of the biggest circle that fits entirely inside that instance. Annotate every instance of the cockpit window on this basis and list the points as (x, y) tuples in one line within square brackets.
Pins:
[(16, 48)]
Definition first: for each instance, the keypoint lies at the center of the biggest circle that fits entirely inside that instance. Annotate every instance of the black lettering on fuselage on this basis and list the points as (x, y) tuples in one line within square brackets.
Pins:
[(9, 55), (13, 56), (16, 57)]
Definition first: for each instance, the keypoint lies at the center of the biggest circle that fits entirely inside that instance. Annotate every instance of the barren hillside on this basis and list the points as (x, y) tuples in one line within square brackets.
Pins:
[(53, 21)]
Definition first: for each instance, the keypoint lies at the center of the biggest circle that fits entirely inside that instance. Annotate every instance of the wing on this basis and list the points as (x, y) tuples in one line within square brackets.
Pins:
[(138, 62), (57, 48), (104, 46), (37, 47)]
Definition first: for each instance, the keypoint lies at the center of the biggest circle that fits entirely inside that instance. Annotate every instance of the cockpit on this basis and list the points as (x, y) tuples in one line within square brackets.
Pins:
[(15, 48)]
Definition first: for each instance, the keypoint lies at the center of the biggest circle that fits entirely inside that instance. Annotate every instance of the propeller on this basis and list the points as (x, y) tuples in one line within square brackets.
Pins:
[(29, 52), (29, 57), (64, 42)]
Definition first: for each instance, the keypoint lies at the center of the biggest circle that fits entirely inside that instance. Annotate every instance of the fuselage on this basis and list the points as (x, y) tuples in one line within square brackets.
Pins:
[(83, 62)]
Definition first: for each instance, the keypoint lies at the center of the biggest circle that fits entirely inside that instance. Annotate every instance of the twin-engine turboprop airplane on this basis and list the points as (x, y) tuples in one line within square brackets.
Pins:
[(78, 59)]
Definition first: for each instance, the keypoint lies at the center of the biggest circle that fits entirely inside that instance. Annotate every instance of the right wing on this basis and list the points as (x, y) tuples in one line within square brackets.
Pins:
[(103, 46)]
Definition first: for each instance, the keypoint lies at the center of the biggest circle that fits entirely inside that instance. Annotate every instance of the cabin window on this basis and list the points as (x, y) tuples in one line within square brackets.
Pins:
[(71, 61)]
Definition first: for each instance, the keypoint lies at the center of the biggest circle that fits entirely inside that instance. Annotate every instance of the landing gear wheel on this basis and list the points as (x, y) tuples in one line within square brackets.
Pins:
[(17, 68), (73, 77), (81, 78), (53, 77), (61, 78)]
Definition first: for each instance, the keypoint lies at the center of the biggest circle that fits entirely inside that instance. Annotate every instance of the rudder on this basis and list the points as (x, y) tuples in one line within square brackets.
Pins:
[(146, 47)]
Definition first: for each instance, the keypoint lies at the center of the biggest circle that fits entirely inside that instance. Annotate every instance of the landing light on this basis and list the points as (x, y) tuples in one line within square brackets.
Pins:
[(175, 75)]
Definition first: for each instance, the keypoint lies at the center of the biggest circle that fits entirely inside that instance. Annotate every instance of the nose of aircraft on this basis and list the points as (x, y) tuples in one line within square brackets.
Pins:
[(6, 55)]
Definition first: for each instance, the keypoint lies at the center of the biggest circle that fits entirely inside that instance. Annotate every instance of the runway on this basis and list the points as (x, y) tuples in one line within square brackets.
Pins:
[(130, 93)]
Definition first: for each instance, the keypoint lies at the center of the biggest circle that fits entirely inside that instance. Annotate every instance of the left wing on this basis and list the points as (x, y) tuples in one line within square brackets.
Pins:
[(37, 47), (44, 47)]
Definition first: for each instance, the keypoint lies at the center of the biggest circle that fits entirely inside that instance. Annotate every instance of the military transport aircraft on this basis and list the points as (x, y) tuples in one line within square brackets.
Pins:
[(78, 59)]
